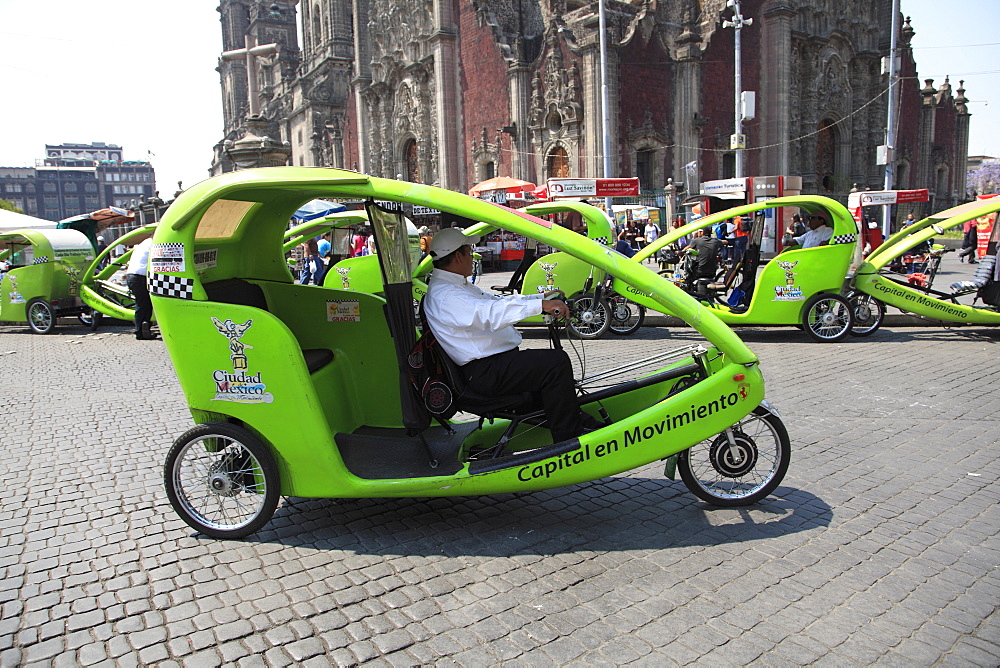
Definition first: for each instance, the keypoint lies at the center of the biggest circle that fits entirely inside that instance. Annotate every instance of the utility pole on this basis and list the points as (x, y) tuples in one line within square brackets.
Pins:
[(738, 141), (890, 130), (602, 26)]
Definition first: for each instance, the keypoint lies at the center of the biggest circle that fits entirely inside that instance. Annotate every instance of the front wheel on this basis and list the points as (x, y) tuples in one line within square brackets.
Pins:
[(222, 480), (91, 318), (743, 471), (41, 316), (868, 314), (827, 318), (626, 316), (589, 317)]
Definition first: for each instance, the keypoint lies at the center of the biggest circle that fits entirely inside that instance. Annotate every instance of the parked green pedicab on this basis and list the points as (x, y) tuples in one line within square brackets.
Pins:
[(975, 301), (103, 285), (799, 286), (591, 314), (305, 390), (41, 275)]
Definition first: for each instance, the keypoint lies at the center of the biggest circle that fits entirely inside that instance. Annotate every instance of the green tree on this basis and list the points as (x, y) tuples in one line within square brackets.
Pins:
[(9, 206)]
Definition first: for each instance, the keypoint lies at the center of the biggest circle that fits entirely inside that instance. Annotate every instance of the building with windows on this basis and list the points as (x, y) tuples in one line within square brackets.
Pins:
[(453, 93), (77, 178)]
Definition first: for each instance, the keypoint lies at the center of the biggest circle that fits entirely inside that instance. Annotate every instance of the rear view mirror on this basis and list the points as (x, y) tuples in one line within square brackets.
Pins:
[(938, 229)]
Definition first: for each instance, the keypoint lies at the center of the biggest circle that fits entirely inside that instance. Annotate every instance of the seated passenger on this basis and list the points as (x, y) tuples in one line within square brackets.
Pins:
[(476, 330), (705, 249), (623, 246)]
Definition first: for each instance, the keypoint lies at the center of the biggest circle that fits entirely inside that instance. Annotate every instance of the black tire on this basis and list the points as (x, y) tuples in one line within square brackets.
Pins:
[(868, 314), (589, 318), (827, 318), (626, 316), (41, 316), (91, 318), (222, 480), (763, 452)]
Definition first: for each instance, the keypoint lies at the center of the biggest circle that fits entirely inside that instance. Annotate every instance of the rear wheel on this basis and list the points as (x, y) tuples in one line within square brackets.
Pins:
[(41, 316), (868, 314), (744, 471), (222, 480), (589, 317), (626, 316), (827, 318)]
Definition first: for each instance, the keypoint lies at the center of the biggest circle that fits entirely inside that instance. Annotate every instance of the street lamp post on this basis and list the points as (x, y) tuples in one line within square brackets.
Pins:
[(738, 141)]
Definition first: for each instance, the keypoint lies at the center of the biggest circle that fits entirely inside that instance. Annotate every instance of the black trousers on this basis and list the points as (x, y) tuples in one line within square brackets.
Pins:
[(544, 372), (143, 304)]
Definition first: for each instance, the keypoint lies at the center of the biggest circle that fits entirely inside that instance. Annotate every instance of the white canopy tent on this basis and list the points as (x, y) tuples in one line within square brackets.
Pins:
[(15, 221)]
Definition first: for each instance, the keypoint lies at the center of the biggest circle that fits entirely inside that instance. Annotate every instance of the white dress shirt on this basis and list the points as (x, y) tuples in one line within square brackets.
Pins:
[(139, 258), (471, 324), (814, 238)]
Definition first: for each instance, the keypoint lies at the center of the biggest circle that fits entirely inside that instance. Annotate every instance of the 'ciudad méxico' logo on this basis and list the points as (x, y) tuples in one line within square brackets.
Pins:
[(240, 385)]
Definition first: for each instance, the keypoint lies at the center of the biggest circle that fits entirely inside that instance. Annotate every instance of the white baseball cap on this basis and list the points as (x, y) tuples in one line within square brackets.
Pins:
[(449, 240)]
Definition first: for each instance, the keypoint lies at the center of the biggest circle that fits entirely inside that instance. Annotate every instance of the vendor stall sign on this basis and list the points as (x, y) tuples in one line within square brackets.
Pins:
[(626, 187)]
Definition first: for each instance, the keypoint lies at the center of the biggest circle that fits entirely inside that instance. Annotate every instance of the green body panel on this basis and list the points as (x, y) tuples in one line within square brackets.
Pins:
[(45, 264), (869, 280), (355, 273), (788, 281), (248, 363)]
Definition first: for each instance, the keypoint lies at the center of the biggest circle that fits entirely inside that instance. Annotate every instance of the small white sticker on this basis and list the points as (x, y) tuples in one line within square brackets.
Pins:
[(343, 311), (206, 259)]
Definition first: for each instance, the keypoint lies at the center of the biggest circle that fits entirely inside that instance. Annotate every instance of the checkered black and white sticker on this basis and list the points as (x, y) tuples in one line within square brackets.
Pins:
[(40, 260), (167, 250), (602, 240), (178, 287), (843, 239)]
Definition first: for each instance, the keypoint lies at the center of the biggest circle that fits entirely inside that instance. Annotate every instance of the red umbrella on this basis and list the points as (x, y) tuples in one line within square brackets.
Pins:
[(502, 183)]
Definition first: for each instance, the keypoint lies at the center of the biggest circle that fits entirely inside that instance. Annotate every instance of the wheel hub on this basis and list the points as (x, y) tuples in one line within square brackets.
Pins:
[(221, 484), (733, 461), (588, 317), (827, 318)]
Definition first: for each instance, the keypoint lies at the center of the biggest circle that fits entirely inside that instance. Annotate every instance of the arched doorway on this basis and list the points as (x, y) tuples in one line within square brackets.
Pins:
[(826, 155), (557, 164), (411, 162)]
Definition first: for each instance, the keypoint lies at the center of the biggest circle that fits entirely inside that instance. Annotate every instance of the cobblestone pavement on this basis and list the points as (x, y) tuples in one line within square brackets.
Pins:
[(880, 546)]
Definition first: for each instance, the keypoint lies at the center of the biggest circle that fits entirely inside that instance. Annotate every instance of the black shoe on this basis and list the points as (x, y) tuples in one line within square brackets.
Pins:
[(590, 423)]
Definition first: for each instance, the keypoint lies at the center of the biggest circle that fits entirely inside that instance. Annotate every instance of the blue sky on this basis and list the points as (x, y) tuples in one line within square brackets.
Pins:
[(142, 75)]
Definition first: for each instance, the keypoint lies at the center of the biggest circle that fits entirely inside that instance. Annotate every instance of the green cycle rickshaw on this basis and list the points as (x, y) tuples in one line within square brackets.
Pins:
[(306, 390), (103, 285), (42, 271), (975, 301), (800, 286)]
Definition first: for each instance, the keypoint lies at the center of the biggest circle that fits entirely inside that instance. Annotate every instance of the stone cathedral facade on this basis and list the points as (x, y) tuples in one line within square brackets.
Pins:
[(451, 92)]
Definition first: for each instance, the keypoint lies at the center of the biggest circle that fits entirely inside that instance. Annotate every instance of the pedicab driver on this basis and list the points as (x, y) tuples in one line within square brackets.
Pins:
[(477, 331), (818, 235)]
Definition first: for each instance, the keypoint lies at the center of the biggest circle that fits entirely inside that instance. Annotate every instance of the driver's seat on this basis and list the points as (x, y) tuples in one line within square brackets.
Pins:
[(516, 407)]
